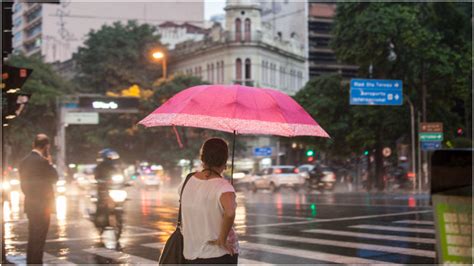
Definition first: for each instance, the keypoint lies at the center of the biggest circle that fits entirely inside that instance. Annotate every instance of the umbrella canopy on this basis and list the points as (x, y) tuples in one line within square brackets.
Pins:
[(238, 109)]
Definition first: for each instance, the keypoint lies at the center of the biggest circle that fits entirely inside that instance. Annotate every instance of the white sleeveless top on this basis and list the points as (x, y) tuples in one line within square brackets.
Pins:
[(202, 215)]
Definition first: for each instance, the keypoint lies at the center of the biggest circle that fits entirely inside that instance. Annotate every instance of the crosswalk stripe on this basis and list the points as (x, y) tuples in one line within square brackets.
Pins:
[(154, 245), (346, 244), (116, 255), (394, 228), (49, 259), (312, 255), (243, 261), (373, 236), (415, 222)]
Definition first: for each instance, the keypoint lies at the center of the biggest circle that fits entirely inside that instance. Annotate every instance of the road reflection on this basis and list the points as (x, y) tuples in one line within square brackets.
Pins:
[(61, 215)]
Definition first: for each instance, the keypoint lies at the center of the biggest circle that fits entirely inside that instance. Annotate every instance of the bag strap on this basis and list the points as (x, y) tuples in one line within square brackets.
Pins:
[(181, 195)]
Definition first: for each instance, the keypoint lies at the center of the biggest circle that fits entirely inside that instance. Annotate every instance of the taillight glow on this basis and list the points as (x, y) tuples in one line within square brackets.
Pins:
[(277, 171)]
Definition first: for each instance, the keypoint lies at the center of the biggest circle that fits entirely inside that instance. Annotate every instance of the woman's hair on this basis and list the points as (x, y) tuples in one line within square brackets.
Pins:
[(214, 152)]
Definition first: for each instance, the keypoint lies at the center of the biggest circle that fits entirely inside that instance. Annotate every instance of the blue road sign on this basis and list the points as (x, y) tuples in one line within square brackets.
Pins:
[(262, 151), (376, 92), (430, 145)]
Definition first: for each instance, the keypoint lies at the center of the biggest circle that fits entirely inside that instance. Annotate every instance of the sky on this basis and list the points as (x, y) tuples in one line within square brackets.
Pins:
[(213, 7)]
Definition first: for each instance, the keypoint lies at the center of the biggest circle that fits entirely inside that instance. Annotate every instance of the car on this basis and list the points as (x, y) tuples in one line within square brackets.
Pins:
[(242, 180), (321, 178), (276, 177), (304, 169), (149, 180)]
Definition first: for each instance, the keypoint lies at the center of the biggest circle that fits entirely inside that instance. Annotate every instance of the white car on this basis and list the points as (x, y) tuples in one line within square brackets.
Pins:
[(275, 177)]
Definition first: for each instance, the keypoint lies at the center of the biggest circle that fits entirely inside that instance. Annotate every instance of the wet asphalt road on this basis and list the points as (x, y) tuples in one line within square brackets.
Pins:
[(286, 227)]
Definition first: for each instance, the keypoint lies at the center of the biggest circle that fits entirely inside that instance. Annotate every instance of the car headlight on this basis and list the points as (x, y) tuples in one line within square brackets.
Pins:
[(118, 195), (118, 178), (61, 183), (6, 185), (239, 175), (14, 182), (61, 189)]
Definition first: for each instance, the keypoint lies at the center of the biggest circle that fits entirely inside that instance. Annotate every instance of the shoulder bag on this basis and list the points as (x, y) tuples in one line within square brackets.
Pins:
[(173, 251)]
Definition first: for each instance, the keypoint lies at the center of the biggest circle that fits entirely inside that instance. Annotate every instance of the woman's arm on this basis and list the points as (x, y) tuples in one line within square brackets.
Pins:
[(229, 205)]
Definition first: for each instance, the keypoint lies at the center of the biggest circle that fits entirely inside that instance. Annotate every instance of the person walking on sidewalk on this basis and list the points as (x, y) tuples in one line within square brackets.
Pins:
[(208, 210), (37, 177)]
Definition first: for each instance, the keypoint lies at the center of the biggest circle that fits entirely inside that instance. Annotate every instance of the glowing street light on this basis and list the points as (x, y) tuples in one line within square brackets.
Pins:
[(159, 55)]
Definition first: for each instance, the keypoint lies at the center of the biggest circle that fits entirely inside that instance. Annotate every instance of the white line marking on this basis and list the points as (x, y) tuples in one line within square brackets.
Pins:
[(125, 235), (154, 245), (280, 216), (312, 255), (415, 222), (247, 261), (119, 256), (346, 244), (49, 259), (334, 219), (373, 236), (394, 228)]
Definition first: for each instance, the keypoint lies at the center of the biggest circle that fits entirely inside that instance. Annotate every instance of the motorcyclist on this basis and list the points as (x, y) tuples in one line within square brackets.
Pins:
[(106, 167)]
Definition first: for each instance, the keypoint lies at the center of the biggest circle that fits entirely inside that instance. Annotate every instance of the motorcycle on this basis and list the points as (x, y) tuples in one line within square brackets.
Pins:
[(109, 202), (398, 178)]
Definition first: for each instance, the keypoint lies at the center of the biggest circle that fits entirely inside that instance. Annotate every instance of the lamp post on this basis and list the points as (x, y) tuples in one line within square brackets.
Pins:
[(159, 55)]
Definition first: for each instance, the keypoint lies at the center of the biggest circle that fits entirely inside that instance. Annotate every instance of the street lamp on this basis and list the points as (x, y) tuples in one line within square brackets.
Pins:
[(159, 55)]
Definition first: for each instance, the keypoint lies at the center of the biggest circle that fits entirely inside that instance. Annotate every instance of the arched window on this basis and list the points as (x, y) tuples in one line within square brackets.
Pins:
[(238, 29), (212, 73), (238, 70), (218, 72), (247, 30), (208, 72), (222, 71), (248, 69)]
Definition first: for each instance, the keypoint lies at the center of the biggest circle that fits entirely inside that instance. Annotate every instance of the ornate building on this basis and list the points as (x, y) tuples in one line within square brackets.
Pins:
[(243, 51)]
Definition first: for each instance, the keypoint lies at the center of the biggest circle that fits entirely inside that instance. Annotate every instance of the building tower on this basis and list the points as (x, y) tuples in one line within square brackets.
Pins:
[(243, 17)]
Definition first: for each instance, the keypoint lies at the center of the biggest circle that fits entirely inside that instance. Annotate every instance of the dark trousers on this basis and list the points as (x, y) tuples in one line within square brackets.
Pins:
[(38, 225), (226, 259)]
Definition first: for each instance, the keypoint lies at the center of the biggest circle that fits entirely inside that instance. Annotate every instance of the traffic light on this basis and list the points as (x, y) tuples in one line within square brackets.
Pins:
[(460, 131), (13, 101), (310, 153), (366, 152), (310, 159)]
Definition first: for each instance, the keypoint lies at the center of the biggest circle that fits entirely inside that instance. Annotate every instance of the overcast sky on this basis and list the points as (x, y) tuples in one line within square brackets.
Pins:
[(213, 7)]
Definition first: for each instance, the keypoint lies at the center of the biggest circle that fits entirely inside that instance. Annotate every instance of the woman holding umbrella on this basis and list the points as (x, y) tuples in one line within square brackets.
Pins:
[(208, 210)]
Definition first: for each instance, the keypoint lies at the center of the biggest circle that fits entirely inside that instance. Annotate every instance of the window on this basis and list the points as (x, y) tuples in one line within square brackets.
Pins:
[(208, 72), (16, 7), (218, 72), (238, 69), (212, 73), (248, 69), (247, 30), (17, 37), (36, 29), (292, 79), (222, 71), (17, 22), (300, 80), (200, 71), (264, 71), (238, 29), (282, 77)]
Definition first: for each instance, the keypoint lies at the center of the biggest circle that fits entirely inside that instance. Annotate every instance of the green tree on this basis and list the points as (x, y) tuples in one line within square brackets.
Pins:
[(117, 56), (411, 42), (40, 115)]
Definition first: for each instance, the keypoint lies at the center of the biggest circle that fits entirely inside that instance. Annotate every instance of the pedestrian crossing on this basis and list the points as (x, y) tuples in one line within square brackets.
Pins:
[(390, 242)]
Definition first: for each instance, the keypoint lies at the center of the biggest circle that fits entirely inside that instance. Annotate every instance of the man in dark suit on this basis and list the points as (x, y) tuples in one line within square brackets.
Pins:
[(37, 176)]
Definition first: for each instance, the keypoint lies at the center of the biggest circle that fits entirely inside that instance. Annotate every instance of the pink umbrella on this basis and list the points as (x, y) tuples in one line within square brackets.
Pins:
[(237, 109)]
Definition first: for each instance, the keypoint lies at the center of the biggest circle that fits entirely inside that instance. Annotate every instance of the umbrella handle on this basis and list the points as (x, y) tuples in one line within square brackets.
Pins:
[(233, 153), (178, 138)]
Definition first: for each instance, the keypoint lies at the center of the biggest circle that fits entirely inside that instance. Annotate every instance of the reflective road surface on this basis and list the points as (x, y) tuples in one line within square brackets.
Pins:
[(285, 227)]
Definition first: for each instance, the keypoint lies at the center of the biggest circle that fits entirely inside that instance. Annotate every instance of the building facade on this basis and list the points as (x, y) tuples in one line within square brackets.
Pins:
[(321, 57), (243, 51), (55, 32)]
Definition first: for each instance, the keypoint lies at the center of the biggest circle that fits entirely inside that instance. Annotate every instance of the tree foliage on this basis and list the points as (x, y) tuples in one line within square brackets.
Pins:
[(117, 56)]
